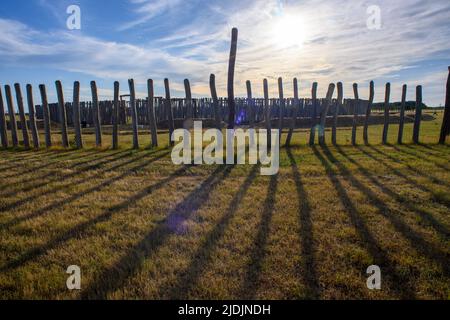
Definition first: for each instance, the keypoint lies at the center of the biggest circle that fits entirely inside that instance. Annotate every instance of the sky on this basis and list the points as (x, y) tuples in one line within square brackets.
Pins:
[(314, 40)]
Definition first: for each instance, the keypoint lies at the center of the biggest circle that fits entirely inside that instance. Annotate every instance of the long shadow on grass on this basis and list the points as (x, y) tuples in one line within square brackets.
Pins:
[(440, 152), (413, 170), (48, 208), (26, 155), (56, 178), (398, 283), (251, 280), (417, 241), (56, 159), (131, 263), (444, 232), (420, 156), (307, 254), (81, 229), (200, 260)]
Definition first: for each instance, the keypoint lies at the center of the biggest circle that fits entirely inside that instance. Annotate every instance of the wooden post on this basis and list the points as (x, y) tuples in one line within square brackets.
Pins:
[(151, 112), (115, 116), (12, 116), (230, 87), (386, 112), (76, 115), (445, 129), (312, 136), (250, 105), (323, 116), (23, 120), (340, 97), (188, 123), (418, 116), (62, 114), (402, 116), (168, 105), (134, 120), (46, 113), (281, 107), (215, 101), (3, 128), (96, 115), (294, 109), (368, 111), (267, 113), (32, 113), (355, 113)]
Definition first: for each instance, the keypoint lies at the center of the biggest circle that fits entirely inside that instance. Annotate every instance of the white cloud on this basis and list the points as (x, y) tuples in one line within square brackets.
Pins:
[(148, 9), (337, 46)]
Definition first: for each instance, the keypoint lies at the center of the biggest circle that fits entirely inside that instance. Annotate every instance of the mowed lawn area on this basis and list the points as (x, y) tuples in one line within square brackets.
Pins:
[(142, 228)]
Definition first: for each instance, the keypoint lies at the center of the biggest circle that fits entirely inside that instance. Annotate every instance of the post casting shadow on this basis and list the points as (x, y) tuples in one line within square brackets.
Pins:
[(48, 208), (397, 282), (131, 262), (417, 241), (308, 253), (202, 257), (251, 280), (80, 229)]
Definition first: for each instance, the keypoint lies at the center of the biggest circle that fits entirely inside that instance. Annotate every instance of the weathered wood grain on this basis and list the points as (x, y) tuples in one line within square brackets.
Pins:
[(230, 84), (402, 116), (134, 119), (32, 113), (46, 113), (151, 112)]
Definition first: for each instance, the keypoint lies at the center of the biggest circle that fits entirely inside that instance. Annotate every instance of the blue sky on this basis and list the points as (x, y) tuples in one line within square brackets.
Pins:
[(324, 41)]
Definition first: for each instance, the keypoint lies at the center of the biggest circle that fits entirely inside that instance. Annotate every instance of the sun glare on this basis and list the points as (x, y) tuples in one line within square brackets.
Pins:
[(289, 31)]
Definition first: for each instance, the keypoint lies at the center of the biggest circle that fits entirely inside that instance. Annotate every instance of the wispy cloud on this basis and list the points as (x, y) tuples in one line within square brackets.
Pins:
[(148, 9), (336, 45)]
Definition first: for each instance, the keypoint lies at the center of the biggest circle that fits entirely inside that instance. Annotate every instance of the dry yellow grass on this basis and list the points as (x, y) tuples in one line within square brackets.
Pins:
[(142, 228)]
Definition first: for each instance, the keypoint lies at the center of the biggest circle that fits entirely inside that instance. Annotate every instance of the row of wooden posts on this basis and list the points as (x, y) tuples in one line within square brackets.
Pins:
[(317, 126), (202, 108)]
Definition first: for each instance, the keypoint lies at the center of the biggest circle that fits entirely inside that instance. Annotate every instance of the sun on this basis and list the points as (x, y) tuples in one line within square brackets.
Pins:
[(288, 31)]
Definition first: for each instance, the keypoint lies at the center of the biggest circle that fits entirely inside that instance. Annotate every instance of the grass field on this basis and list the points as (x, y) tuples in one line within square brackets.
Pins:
[(142, 228)]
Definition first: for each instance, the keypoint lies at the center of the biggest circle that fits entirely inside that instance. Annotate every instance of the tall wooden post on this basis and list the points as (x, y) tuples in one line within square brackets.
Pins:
[(323, 116), (368, 112), (215, 101), (340, 98), (32, 113), (168, 105), (250, 105), (386, 112), (96, 115), (281, 106), (418, 116), (134, 120), (267, 113), (46, 113), (188, 123), (402, 116), (445, 129), (151, 112), (23, 120), (62, 114), (312, 136), (76, 115), (294, 110), (115, 116), (355, 113), (3, 128), (230, 86), (12, 116)]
